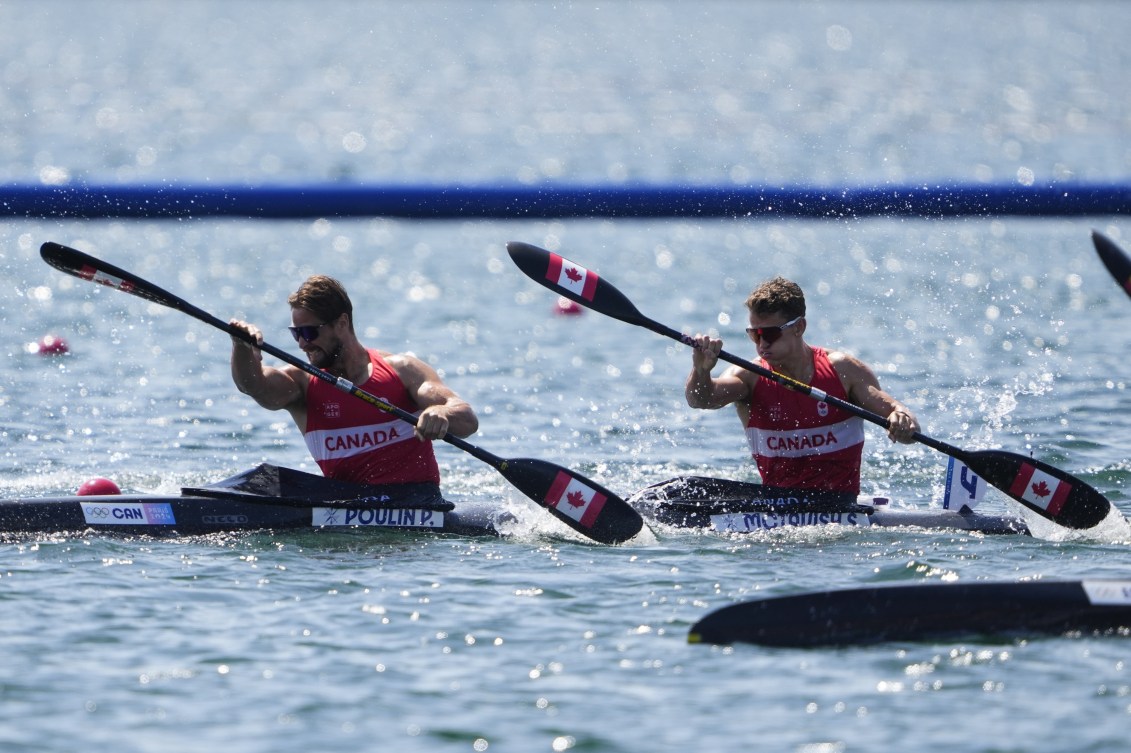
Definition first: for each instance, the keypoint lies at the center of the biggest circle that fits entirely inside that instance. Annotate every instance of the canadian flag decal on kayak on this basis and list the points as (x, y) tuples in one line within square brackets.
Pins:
[(574, 499), (572, 277), (1040, 489)]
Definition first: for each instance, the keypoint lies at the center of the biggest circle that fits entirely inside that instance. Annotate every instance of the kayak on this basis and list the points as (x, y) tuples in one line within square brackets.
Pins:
[(923, 612), (266, 497), (729, 506)]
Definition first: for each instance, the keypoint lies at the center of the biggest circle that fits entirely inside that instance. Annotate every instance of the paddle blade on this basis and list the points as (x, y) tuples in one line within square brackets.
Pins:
[(86, 267), (1114, 258), (920, 612), (581, 504), (573, 281), (1044, 489)]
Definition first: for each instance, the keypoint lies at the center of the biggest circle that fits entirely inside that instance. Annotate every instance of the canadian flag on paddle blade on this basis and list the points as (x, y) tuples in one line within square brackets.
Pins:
[(105, 278), (574, 499), (1040, 489), (572, 277)]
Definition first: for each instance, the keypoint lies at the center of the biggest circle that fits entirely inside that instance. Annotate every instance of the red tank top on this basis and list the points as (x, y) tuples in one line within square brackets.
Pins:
[(804, 443), (352, 440)]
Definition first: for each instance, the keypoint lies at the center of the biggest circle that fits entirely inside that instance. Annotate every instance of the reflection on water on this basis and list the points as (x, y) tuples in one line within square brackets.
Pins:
[(718, 92)]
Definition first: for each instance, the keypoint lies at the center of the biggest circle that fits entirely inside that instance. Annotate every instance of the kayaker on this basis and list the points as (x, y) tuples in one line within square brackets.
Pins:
[(350, 439), (797, 441)]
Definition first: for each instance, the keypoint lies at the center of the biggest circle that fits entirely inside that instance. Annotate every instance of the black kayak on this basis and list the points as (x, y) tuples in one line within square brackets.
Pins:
[(729, 506), (265, 497), (923, 612)]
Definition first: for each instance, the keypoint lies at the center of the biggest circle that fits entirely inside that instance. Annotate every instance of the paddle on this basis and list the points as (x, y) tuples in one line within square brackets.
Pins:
[(1114, 258), (583, 505), (1048, 491), (921, 612)]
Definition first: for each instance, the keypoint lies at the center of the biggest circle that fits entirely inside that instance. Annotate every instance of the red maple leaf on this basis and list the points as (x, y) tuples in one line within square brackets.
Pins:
[(577, 499), (1041, 489), (573, 274)]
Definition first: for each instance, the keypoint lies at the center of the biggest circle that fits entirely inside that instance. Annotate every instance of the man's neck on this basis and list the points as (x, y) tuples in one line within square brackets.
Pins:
[(352, 363), (800, 367)]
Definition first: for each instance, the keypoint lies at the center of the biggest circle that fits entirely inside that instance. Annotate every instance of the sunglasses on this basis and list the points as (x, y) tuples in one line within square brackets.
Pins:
[(308, 332), (770, 335)]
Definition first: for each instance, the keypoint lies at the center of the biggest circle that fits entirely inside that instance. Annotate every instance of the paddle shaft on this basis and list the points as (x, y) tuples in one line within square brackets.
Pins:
[(100, 272), (348, 387), (602, 296), (343, 384)]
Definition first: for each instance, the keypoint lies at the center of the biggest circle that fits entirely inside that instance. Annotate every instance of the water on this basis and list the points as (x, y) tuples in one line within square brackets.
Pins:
[(998, 332)]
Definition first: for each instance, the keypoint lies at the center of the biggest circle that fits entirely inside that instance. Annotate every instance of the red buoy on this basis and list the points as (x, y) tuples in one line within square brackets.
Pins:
[(98, 486), (566, 307)]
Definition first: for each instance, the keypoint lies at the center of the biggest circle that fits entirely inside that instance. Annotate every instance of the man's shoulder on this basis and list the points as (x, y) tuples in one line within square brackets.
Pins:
[(848, 366), (397, 361), (836, 356)]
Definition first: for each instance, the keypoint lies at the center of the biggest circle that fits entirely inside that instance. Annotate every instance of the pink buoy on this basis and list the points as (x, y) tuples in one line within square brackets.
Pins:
[(50, 345), (98, 486)]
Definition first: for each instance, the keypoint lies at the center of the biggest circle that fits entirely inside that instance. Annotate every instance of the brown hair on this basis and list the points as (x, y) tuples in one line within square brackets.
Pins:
[(324, 297), (778, 295)]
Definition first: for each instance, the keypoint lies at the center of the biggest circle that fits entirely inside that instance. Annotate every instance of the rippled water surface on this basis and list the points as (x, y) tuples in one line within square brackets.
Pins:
[(1000, 332)]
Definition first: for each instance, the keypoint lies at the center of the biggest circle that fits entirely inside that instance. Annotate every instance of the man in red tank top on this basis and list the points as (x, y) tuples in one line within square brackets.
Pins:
[(797, 441), (350, 439)]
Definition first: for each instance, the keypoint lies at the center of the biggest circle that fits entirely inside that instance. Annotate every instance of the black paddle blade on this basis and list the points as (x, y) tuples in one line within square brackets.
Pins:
[(1044, 489), (921, 612), (85, 266), (574, 281), (1114, 258), (581, 504)]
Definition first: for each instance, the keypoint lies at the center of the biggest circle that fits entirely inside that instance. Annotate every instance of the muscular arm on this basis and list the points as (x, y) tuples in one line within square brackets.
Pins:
[(272, 388), (863, 389), (442, 410)]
